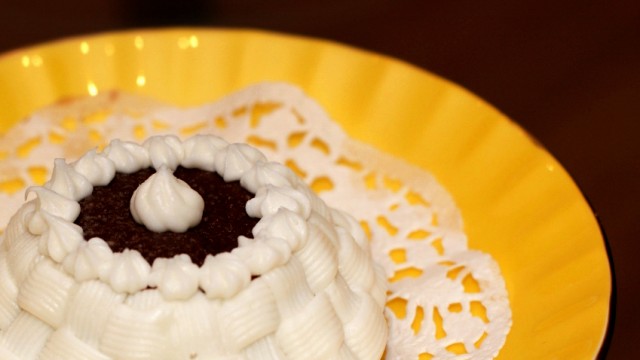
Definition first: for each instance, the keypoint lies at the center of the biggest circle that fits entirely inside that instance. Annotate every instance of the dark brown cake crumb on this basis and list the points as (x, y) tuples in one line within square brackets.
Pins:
[(105, 214)]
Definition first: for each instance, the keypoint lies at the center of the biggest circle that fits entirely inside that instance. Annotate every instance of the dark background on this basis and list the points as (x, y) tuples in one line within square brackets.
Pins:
[(567, 71)]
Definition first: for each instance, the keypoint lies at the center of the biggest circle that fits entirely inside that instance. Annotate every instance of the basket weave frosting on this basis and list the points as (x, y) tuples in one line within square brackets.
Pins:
[(315, 292)]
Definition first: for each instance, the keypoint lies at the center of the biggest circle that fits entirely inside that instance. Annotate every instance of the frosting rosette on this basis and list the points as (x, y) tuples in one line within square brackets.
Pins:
[(302, 286)]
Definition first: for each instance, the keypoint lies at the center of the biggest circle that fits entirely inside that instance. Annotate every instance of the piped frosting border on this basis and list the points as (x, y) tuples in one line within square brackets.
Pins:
[(282, 202)]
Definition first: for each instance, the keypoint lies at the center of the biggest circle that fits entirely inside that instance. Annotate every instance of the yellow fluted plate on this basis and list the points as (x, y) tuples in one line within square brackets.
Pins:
[(517, 202)]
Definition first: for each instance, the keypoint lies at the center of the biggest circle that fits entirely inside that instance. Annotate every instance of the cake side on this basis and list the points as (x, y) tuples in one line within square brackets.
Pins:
[(304, 281)]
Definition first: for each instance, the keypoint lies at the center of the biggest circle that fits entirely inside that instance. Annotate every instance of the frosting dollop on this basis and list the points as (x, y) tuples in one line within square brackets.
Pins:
[(176, 278), (68, 182), (61, 237), (129, 272), (269, 199), (91, 260), (164, 151), (236, 159), (224, 275), (200, 151), (97, 168), (267, 173), (53, 203), (166, 203), (128, 157)]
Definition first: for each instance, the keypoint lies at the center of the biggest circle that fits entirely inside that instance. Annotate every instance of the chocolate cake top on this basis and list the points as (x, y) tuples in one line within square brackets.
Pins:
[(178, 216), (105, 214)]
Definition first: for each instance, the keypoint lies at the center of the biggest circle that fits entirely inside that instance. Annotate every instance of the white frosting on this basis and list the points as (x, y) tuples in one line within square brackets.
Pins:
[(166, 203), (175, 309), (262, 255), (61, 237), (285, 225), (200, 151), (234, 160), (176, 278), (164, 151), (224, 275), (68, 182), (97, 168), (129, 272), (128, 157), (268, 173), (91, 260), (52, 203), (269, 199)]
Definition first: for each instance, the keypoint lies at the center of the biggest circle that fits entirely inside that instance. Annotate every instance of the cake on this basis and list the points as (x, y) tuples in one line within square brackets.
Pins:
[(193, 249)]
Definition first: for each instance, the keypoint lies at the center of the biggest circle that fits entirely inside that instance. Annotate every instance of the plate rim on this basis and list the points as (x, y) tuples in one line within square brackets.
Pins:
[(610, 322)]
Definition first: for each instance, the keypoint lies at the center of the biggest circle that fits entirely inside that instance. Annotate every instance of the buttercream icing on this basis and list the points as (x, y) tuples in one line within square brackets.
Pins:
[(280, 294)]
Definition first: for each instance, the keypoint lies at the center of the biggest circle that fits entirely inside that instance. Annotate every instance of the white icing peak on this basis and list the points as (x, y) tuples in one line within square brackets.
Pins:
[(164, 151), (91, 260), (236, 159), (176, 278), (68, 182), (200, 151), (129, 272), (97, 168), (128, 157), (269, 199), (61, 237), (52, 203), (166, 203)]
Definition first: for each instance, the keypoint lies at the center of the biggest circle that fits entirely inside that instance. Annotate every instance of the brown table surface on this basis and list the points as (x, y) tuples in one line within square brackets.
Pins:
[(567, 71)]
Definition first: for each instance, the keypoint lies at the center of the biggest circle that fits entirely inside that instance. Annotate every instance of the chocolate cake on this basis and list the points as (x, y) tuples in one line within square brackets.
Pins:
[(194, 249), (105, 214)]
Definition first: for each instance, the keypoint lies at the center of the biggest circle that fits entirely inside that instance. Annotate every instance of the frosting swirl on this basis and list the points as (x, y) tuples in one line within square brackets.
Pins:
[(97, 168), (53, 203), (166, 203), (175, 278), (129, 272), (91, 260), (60, 238), (68, 182), (200, 151), (164, 151), (269, 199), (236, 159), (128, 157), (267, 173)]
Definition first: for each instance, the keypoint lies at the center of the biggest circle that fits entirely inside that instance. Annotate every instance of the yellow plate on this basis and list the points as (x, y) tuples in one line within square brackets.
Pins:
[(517, 202)]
